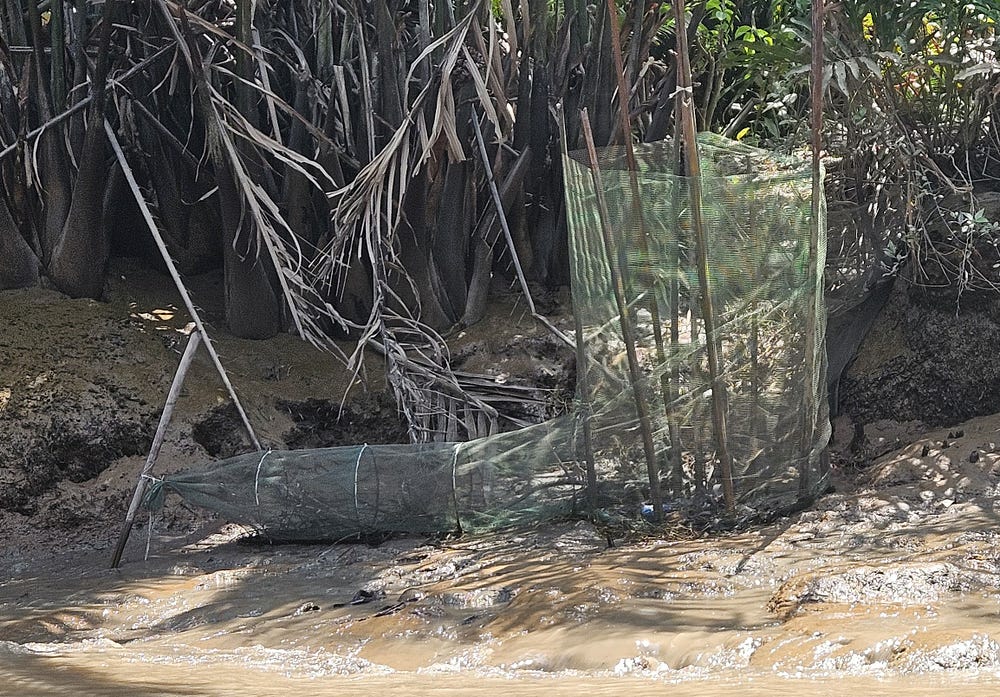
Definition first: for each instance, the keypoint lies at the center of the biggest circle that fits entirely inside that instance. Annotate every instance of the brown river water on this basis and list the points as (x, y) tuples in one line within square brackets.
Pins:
[(891, 593)]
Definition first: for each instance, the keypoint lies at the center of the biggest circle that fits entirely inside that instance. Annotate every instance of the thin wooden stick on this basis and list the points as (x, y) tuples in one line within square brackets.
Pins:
[(582, 367), (713, 342), (813, 277), (154, 450), (175, 275), (501, 216), (628, 335), (625, 124), (48, 124)]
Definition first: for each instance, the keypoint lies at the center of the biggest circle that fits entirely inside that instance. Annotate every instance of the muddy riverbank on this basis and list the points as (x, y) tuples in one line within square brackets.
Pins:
[(895, 583), (890, 584)]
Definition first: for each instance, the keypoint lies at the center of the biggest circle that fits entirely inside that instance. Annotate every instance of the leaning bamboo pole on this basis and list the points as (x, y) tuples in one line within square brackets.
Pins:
[(181, 288), (628, 334), (713, 343), (199, 334)]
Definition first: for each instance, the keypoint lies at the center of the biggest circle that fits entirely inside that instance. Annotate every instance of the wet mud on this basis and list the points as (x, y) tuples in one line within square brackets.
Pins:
[(926, 361), (874, 586), (323, 423)]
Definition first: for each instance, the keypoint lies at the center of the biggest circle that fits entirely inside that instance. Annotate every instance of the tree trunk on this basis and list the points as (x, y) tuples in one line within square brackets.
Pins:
[(415, 252), (18, 264), (53, 168), (252, 309), (80, 257)]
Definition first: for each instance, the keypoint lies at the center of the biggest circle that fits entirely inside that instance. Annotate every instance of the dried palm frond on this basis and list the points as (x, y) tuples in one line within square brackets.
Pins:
[(367, 217), (367, 210)]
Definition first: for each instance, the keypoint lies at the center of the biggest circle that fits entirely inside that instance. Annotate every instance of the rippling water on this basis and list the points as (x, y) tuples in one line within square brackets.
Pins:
[(96, 673)]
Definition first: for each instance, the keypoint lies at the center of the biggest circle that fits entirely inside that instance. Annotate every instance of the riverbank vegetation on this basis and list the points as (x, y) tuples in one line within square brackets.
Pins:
[(335, 158)]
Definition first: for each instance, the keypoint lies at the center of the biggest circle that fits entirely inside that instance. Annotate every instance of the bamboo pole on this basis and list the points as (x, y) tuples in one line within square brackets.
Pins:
[(175, 275), (628, 335), (756, 415), (697, 411), (625, 125), (582, 367), (672, 389), (154, 450), (583, 383), (813, 276), (713, 343)]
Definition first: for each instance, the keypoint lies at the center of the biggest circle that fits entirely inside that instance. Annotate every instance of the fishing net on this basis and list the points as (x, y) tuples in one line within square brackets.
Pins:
[(765, 282)]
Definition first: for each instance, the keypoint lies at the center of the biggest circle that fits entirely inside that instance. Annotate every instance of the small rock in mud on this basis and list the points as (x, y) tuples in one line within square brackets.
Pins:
[(479, 599), (305, 607), (411, 595), (363, 597)]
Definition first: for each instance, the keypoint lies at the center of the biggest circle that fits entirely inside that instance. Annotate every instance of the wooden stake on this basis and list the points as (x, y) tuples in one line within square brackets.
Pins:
[(154, 450), (813, 276), (713, 342), (628, 335), (582, 367), (673, 382), (625, 125)]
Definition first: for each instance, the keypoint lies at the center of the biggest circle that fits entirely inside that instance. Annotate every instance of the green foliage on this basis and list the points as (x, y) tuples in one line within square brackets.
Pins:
[(911, 117), (323, 134)]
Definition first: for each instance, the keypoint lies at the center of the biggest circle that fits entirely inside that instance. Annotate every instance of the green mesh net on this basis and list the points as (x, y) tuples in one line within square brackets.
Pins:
[(766, 288)]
